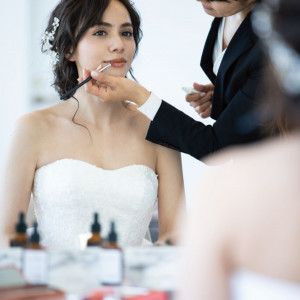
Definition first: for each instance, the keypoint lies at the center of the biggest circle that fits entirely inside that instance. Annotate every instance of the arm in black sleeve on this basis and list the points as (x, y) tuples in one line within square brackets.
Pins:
[(235, 125)]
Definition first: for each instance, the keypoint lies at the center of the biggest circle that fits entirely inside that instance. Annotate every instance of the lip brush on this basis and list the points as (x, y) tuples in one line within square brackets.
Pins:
[(81, 84)]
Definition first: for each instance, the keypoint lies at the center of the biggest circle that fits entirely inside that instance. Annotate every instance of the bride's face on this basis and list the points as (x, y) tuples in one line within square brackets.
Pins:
[(110, 41)]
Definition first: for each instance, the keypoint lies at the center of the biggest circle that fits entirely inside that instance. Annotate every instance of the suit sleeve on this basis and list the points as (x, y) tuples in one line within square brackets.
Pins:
[(237, 124)]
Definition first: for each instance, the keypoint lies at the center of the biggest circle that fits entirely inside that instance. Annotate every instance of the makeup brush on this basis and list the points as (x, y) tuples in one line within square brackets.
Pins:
[(81, 83)]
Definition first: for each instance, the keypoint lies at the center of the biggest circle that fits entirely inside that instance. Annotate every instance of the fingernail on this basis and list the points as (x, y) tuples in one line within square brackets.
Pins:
[(95, 74), (202, 94)]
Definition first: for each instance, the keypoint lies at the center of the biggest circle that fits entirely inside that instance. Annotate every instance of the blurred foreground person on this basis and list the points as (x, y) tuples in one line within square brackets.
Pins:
[(243, 238)]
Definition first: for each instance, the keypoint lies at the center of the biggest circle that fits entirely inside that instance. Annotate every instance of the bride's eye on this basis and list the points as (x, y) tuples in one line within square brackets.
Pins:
[(127, 34), (100, 33)]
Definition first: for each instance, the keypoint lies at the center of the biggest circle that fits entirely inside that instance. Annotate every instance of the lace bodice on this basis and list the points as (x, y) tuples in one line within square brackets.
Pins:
[(67, 192)]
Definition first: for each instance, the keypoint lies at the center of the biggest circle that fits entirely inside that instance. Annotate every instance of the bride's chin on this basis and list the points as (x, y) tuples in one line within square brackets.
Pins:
[(117, 73)]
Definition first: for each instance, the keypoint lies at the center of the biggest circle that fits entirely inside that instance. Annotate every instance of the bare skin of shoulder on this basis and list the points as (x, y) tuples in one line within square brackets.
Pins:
[(247, 218)]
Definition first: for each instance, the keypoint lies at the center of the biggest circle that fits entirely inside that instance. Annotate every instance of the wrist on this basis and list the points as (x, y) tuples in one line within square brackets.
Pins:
[(141, 96)]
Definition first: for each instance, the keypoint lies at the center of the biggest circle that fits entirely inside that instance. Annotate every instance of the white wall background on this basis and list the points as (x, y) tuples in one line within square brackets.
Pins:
[(169, 58)]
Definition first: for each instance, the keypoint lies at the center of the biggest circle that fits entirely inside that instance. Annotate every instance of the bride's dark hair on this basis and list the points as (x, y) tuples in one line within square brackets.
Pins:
[(75, 18)]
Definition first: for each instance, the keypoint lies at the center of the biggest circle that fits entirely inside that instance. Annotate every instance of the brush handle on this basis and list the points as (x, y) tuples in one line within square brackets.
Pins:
[(75, 88), (81, 84)]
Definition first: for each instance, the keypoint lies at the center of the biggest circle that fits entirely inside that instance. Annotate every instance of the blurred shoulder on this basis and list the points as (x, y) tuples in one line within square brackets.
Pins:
[(257, 155), (243, 174)]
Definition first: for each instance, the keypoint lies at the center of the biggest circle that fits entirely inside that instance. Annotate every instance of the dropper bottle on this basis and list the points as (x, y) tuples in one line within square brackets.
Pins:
[(35, 238), (112, 238), (20, 239), (111, 258), (95, 239), (35, 260)]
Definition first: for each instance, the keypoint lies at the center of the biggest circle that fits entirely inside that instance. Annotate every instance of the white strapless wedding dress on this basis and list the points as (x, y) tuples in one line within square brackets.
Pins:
[(67, 193)]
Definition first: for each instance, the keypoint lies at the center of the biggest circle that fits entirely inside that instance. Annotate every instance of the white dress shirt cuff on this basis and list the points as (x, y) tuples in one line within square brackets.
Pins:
[(151, 106)]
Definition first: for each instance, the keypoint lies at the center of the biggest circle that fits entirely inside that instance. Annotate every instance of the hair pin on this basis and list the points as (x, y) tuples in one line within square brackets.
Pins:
[(47, 38)]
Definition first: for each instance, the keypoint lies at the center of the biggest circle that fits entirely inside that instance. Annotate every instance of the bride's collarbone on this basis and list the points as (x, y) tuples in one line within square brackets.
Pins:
[(101, 153), (108, 149)]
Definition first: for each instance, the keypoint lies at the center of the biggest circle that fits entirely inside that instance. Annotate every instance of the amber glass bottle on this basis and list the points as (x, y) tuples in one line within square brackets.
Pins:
[(112, 239), (95, 239), (34, 242), (20, 240)]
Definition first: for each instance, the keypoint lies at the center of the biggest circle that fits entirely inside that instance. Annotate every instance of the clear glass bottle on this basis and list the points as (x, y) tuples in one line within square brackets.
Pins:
[(35, 260), (111, 260)]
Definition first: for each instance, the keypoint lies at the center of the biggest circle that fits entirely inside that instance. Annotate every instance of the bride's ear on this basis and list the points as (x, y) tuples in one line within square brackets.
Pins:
[(70, 55)]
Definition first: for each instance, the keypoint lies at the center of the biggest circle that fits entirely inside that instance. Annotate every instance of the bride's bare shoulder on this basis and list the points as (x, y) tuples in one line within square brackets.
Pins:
[(51, 113), (39, 120)]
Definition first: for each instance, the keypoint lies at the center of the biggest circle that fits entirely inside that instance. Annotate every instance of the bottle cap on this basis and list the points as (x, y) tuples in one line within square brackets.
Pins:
[(112, 236), (96, 227), (35, 237), (21, 226)]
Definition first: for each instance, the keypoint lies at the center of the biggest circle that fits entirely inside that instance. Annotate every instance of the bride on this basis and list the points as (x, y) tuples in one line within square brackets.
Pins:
[(82, 155)]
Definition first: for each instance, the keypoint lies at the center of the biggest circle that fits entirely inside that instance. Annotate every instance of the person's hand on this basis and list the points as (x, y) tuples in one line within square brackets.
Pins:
[(201, 101), (112, 89)]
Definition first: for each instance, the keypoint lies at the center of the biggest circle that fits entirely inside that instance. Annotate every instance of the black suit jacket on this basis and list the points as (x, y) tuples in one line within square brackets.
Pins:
[(236, 84)]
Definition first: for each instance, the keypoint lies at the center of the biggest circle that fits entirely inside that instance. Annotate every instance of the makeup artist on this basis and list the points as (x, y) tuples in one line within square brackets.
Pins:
[(232, 60)]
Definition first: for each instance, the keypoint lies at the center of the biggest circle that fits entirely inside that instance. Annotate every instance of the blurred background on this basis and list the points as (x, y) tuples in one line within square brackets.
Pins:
[(168, 59)]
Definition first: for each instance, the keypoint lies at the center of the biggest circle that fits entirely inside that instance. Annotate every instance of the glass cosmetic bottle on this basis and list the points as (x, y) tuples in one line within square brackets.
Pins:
[(34, 242), (20, 240), (112, 238), (111, 259), (35, 260), (95, 239)]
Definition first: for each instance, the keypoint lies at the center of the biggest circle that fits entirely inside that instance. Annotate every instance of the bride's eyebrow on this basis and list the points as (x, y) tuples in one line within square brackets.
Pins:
[(105, 24)]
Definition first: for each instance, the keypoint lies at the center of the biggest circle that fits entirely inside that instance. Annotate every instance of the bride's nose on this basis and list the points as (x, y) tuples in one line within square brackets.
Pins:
[(116, 43)]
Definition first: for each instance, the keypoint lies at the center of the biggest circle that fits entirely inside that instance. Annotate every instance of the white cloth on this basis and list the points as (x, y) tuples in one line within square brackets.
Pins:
[(218, 52), (246, 285), (150, 107), (67, 193)]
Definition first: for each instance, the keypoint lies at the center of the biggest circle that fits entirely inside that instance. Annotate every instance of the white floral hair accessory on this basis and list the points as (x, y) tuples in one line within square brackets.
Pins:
[(47, 38)]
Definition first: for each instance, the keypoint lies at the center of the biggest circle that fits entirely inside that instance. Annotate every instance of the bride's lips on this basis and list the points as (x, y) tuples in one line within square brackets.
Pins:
[(117, 62)]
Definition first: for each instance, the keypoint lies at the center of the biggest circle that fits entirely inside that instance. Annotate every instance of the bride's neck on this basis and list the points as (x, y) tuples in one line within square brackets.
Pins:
[(92, 110)]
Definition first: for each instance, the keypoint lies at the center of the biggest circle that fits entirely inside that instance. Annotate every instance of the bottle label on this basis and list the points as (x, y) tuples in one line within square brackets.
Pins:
[(35, 266), (111, 267)]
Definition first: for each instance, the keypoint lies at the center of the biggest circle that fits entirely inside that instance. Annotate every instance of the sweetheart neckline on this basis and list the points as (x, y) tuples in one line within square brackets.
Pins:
[(95, 166)]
